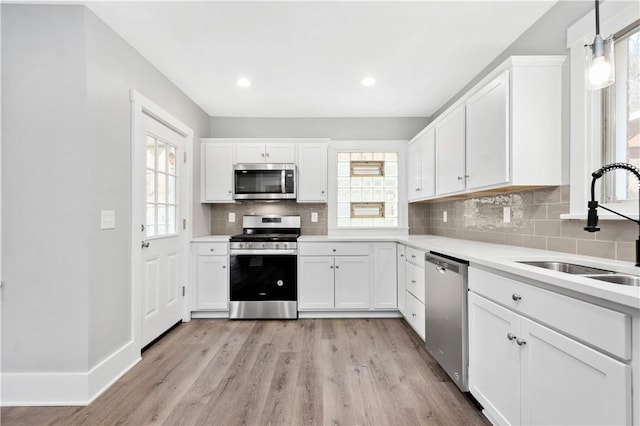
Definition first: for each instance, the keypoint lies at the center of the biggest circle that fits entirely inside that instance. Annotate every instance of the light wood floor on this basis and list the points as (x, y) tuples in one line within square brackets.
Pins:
[(304, 372)]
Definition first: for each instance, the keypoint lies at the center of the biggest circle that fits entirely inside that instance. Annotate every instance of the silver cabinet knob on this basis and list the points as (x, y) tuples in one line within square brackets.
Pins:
[(516, 297), (460, 178), (322, 192), (331, 266), (413, 256), (334, 250), (413, 281), (511, 336), (262, 155), (224, 266), (337, 267), (267, 154), (229, 191), (521, 342), (401, 255), (413, 314), (212, 249)]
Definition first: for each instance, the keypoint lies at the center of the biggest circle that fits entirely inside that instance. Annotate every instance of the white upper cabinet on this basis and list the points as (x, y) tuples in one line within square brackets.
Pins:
[(450, 152), (312, 173), (265, 152), (421, 166), (487, 133), (216, 172), (505, 132)]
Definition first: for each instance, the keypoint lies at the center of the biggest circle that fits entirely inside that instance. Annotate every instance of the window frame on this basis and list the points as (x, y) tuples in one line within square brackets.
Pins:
[(397, 146), (586, 118)]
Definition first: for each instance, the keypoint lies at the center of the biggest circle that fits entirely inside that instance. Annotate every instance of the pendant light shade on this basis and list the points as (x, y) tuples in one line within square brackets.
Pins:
[(599, 58)]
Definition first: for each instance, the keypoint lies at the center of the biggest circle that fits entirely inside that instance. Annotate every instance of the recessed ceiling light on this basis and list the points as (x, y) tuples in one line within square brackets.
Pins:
[(368, 81), (243, 82)]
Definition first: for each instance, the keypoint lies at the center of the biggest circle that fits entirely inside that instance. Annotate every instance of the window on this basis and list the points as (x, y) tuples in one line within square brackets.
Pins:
[(621, 119), (367, 189), (161, 188), (586, 153)]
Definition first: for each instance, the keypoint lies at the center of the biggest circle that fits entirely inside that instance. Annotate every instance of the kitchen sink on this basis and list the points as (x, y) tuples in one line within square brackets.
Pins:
[(630, 280), (568, 268)]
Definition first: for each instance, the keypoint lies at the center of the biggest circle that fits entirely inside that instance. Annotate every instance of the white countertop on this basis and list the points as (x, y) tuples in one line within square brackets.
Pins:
[(503, 258)]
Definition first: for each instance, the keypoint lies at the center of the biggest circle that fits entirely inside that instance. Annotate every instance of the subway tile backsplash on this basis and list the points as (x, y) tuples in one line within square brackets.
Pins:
[(220, 224), (535, 222)]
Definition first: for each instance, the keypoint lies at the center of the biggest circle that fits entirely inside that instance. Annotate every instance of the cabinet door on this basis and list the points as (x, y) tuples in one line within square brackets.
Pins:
[(216, 173), (450, 146), (494, 359), (352, 282), (414, 170), (250, 152), (312, 172), (414, 315), (280, 152), (428, 163), (565, 382), (315, 282), (212, 283), (402, 291), (488, 134), (385, 288)]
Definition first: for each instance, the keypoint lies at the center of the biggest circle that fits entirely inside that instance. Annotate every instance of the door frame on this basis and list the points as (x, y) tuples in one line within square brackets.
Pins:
[(141, 106)]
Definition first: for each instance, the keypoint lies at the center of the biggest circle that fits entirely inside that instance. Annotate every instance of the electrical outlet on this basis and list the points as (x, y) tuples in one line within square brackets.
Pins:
[(314, 216), (107, 219), (506, 214), (232, 217), (444, 216)]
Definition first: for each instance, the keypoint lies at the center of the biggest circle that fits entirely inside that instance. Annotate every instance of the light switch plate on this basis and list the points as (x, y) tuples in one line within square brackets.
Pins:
[(107, 219), (506, 214), (444, 216), (314, 216), (232, 217)]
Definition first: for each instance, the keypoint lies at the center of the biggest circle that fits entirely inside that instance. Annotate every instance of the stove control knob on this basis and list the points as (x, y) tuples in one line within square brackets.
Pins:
[(285, 245), (277, 245)]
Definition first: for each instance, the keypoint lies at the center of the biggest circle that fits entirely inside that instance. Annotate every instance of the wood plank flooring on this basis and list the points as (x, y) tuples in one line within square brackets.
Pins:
[(304, 372)]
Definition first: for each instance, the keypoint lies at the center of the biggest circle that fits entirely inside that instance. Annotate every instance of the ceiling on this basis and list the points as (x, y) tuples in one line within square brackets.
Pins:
[(306, 59)]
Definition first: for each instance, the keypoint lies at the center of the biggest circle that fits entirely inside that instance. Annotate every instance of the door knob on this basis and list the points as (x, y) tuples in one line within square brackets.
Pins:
[(144, 244)]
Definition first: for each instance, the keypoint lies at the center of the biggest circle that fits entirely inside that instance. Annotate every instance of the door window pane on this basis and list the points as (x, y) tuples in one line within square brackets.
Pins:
[(161, 188)]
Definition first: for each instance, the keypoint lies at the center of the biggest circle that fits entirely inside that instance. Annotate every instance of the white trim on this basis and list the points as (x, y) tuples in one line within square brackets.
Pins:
[(60, 389), (209, 314), (349, 314), (585, 119), (141, 106)]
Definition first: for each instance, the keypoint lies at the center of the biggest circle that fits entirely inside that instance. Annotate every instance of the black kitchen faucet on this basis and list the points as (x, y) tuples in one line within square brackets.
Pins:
[(592, 218)]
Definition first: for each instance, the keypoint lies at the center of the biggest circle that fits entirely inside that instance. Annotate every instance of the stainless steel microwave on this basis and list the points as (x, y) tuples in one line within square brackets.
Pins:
[(264, 181)]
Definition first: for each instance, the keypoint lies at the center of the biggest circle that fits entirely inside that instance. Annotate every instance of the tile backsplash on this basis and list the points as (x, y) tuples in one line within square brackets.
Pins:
[(534, 222), (220, 224)]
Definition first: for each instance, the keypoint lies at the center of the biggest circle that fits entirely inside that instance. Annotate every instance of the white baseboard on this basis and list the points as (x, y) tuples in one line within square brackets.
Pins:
[(67, 389), (209, 314), (349, 314)]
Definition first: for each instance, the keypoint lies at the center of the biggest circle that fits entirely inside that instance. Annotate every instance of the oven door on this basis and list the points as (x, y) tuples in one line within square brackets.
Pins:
[(257, 277)]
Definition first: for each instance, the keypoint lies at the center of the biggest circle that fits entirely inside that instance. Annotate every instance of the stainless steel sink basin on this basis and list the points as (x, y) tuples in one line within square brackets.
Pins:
[(568, 268), (630, 280)]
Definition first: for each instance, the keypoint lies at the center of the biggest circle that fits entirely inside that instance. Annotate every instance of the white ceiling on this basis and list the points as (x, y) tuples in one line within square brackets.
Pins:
[(306, 59)]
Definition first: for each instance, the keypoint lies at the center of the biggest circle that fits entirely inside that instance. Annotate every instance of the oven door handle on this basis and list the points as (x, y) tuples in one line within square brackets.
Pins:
[(265, 252)]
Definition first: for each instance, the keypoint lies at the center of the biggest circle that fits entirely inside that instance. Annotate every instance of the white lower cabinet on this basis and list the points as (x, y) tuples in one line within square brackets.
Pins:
[(346, 276), (400, 269), (211, 276), (523, 372), (411, 287)]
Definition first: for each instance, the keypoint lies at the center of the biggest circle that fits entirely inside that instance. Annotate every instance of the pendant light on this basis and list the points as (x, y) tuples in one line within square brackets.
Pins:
[(600, 64)]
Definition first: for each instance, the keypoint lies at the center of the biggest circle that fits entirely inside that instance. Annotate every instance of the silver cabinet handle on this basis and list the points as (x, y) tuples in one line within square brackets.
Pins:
[(511, 336), (521, 342), (144, 244), (413, 281), (516, 297), (413, 256)]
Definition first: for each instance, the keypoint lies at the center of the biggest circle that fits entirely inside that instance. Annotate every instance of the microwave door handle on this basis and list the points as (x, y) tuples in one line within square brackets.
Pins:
[(283, 181)]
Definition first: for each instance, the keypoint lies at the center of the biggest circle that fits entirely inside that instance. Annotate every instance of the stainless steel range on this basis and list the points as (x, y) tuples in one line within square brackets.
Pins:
[(264, 268)]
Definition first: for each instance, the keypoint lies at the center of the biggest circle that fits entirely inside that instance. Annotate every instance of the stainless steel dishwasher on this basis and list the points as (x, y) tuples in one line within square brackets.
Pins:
[(447, 332)]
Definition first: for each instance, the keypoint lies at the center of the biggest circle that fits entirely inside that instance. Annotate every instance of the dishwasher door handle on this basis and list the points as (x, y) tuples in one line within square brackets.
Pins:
[(441, 269)]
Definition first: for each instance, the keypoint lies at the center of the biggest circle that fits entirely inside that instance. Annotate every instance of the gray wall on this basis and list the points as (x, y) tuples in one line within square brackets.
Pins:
[(66, 156), (333, 128)]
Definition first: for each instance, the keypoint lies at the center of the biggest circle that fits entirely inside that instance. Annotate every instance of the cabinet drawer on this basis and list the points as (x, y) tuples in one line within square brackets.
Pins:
[(415, 256), (211, 248), (414, 314), (333, 249), (415, 281), (601, 327)]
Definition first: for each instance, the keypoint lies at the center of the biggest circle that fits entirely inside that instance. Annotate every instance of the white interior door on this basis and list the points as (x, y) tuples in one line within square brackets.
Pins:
[(163, 254)]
